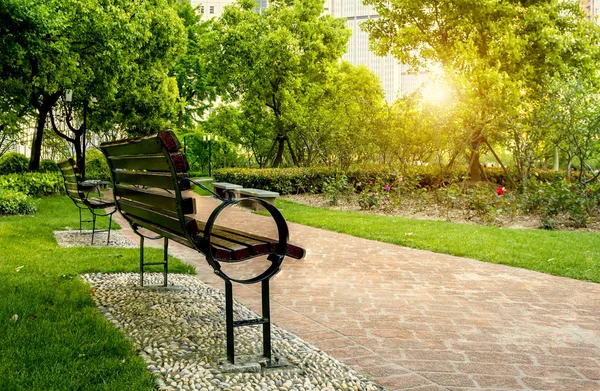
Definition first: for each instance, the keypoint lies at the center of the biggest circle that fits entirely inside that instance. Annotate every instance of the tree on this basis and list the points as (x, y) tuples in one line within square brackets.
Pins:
[(268, 60), (497, 54), (101, 49), (192, 71)]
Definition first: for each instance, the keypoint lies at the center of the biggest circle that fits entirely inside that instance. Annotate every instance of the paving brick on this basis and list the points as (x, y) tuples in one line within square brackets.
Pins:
[(560, 384), (562, 361), (433, 355), (500, 358), (427, 366), (549, 372), (503, 382), (402, 382), (449, 379), (592, 374), (488, 369)]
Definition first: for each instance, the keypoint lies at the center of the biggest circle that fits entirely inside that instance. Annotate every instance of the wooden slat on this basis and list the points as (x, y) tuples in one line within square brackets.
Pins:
[(149, 145), (71, 186), (65, 164), (162, 181), (75, 194), (162, 200), (169, 222), (160, 230), (292, 250), (151, 163)]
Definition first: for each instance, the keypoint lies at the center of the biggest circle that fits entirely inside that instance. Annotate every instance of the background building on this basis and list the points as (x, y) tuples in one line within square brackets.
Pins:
[(395, 78), (591, 8)]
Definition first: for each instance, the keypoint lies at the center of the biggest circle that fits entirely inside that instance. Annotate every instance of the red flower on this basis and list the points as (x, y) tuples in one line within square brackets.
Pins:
[(500, 191)]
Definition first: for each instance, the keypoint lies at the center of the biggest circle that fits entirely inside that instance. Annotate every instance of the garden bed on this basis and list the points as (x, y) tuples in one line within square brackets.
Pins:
[(427, 209)]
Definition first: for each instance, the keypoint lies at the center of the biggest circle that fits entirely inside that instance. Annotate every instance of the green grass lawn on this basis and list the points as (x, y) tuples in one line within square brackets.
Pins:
[(60, 341), (562, 253)]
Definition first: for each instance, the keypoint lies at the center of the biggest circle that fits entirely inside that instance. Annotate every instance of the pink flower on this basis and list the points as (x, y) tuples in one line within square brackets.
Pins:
[(373, 181), (400, 180), (500, 190), (387, 188), (383, 202)]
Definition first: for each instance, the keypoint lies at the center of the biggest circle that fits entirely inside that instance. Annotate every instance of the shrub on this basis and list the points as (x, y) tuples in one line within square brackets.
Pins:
[(335, 188), (96, 166), (49, 165), (14, 202), (35, 184), (13, 162)]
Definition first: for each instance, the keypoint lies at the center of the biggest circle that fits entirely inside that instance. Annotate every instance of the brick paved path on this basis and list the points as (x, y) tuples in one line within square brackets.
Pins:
[(416, 320)]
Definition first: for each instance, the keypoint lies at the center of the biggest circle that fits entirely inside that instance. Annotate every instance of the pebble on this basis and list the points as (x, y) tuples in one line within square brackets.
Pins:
[(180, 333)]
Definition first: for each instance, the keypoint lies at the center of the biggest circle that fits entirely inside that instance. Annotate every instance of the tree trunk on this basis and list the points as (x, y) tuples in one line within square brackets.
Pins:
[(475, 165), (36, 145), (556, 161), (280, 147)]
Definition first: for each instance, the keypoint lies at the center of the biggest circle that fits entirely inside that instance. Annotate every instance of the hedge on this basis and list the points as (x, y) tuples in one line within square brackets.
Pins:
[(14, 202), (311, 179), (35, 184)]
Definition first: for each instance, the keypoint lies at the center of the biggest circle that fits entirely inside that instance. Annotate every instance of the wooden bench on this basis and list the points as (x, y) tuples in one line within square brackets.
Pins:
[(86, 195), (226, 190), (266, 195), (150, 181)]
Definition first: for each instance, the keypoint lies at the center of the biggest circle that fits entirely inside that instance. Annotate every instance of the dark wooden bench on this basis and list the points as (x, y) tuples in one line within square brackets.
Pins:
[(150, 181), (86, 195)]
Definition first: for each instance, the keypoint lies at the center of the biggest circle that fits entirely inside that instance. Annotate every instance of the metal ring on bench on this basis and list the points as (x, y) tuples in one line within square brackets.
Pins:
[(276, 258)]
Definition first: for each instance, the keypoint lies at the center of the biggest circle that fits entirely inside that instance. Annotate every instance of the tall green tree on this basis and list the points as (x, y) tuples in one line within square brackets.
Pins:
[(268, 59), (192, 70), (96, 48)]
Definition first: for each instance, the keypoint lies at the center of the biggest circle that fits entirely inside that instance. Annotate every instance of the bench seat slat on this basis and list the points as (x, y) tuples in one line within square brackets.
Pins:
[(163, 180), (292, 251), (170, 222), (162, 200), (151, 163), (160, 230)]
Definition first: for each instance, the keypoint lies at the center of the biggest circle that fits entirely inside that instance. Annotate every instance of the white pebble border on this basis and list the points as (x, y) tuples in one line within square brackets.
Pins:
[(180, 332), (74, 238)]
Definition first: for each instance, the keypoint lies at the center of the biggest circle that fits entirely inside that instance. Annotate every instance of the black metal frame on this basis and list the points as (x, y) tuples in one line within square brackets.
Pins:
[(276, 259), (84, 201)]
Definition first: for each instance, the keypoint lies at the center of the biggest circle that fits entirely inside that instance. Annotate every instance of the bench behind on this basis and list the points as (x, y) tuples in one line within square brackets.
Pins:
[(85, 195)]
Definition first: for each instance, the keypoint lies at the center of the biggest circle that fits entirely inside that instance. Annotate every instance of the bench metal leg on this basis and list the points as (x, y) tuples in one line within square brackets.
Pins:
[(165, 261), (266, 314), (79, 219), (229, 321), (109, 226), (141, 260), (93, 227)]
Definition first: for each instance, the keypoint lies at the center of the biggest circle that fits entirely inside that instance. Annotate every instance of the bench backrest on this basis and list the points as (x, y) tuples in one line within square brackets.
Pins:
[(149, 175), (72, 178)]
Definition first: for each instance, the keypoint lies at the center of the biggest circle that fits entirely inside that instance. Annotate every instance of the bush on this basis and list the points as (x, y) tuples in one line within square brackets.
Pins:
[(13, 162), (35, 184), (96, 166), (49, 165), (14, 202)]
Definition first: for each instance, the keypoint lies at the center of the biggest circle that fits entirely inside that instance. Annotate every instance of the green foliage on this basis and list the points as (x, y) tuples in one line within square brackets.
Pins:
[(335, 188), (265, 62), (96, 166), (35, 184), (13, 162), (14, 202), (549, 199), (48, 165)]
